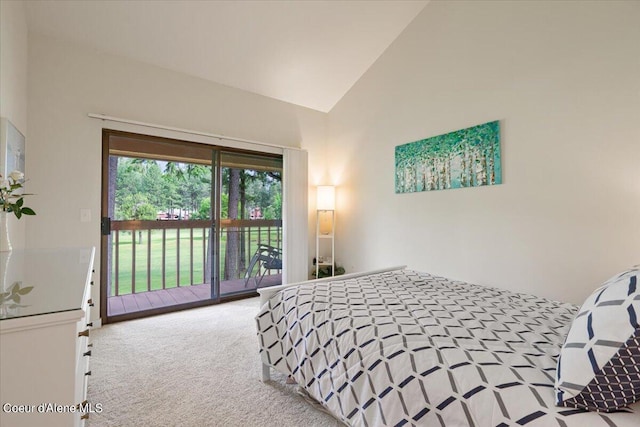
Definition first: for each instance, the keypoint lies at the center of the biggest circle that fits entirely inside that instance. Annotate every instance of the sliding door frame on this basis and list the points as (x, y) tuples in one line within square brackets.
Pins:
[(215, 230)]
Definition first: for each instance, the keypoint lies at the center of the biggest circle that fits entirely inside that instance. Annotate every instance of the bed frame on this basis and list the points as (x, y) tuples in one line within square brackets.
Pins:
[(267, 293)]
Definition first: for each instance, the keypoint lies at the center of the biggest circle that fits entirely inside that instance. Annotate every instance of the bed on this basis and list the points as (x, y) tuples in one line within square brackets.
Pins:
[(399, 347)]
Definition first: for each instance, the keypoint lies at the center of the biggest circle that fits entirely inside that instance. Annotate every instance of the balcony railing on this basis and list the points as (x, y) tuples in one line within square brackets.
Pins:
[(155, 255)]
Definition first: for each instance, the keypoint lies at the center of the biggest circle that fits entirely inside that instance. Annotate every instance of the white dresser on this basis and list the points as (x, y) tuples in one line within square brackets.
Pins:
[(44, 339)]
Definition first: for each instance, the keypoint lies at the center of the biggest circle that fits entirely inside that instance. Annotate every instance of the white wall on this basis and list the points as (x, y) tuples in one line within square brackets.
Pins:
[(13, 63), (564, 80), (67, 81), (13, 87), (561, 77)]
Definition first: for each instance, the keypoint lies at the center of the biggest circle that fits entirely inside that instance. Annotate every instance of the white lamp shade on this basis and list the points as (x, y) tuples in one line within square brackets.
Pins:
[(326, 198)]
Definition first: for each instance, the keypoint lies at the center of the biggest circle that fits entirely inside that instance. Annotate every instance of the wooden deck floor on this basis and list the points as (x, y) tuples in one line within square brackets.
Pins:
[(125, 304)]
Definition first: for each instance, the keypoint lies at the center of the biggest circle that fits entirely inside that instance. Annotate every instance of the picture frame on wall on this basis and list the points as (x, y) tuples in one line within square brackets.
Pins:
[(467, 157), (12, 148)]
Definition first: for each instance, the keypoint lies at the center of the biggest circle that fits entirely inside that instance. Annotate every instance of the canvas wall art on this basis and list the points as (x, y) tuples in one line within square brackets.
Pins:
[(11, 148), (464, 158)]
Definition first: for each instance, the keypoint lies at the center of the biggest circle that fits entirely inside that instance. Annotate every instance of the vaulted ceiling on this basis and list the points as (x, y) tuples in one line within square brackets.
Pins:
[(308, 53)]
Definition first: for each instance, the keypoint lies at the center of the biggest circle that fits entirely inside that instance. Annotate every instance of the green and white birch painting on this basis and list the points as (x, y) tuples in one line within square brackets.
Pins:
[(464, 158)]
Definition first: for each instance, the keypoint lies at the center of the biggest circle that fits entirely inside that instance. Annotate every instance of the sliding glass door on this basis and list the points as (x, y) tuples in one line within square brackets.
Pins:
[(250, 222), (185, 224)]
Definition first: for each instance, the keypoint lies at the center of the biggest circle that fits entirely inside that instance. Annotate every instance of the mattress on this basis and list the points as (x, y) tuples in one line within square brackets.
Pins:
[(409, 348)]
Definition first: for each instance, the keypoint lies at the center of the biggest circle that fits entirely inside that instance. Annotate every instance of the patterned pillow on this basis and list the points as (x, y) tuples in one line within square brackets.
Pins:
[(599, 364)]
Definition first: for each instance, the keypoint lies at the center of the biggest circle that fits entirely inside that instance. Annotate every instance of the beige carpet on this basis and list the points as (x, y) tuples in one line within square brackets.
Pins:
[(192, 368)]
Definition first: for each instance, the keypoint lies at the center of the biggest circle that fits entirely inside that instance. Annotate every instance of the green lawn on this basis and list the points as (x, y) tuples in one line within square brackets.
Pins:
[(171, 245)]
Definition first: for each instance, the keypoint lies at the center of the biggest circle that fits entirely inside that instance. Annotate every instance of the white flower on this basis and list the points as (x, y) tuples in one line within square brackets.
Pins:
[(11, 196), (16, 175)]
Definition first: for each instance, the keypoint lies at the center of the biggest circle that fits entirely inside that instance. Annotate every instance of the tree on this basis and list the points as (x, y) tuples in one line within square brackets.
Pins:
[(204, 210), (111, 204), (233, 238), (137, 207)]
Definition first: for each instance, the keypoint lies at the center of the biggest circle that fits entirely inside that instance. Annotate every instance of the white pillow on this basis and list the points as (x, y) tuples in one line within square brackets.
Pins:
[(599, 364)]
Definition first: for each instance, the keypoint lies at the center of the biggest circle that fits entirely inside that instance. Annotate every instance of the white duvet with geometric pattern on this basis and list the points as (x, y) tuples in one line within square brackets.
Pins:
[(408, 348)]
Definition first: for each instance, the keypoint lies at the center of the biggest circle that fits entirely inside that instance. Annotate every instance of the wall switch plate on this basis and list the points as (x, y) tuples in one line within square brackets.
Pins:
[(85, 215)]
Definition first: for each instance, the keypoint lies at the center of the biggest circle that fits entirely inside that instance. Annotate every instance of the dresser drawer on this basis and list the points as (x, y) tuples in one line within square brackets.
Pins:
[(44, 344), (84, 349)]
